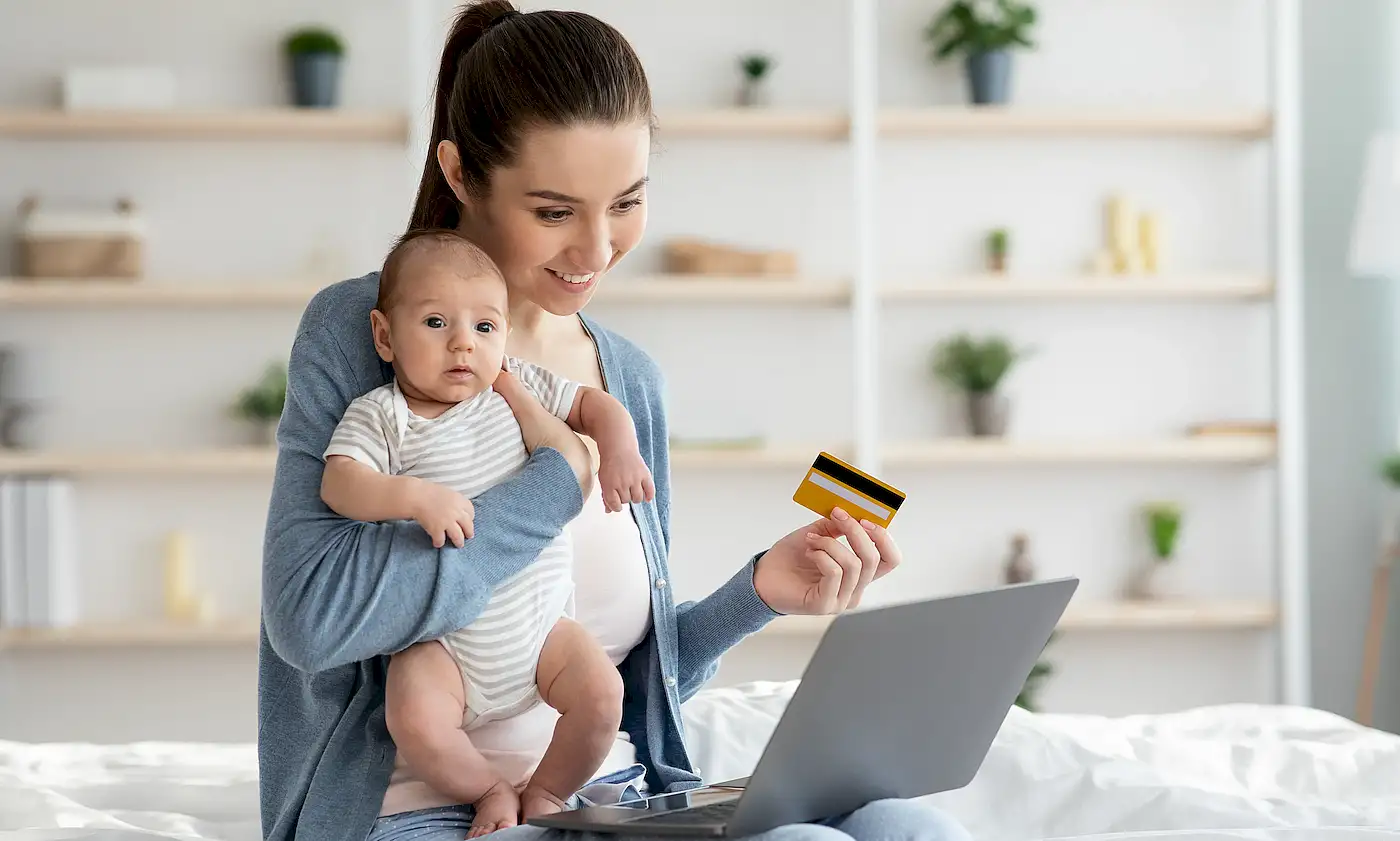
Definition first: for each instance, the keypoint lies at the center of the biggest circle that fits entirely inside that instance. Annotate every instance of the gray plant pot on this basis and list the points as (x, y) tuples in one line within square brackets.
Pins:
[(987, 414), (989, 77), (316, 80)]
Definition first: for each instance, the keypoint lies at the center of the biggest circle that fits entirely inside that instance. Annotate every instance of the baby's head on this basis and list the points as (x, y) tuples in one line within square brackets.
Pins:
[(441, 316)]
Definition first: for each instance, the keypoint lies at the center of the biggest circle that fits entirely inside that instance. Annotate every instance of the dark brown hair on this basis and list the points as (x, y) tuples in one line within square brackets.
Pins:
[(503, 72), (414, 241)]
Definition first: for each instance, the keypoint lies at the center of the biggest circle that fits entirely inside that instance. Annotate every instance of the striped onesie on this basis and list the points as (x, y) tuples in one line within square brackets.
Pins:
[(470, 447)]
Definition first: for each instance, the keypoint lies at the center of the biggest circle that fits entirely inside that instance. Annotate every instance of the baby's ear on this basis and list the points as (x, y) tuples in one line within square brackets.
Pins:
[(379, 327)]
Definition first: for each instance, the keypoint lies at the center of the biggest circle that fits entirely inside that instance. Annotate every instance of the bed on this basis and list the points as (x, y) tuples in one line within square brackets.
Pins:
[(1243, 771)]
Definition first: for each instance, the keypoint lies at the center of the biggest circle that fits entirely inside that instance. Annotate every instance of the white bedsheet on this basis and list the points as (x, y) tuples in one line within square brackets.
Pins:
[(1047, 776)]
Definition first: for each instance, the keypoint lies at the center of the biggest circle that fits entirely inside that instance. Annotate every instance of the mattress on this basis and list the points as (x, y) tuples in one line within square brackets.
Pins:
[(1212, 774)]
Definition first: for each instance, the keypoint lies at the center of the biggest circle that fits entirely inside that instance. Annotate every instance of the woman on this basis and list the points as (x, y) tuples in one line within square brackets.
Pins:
[(541, 138)]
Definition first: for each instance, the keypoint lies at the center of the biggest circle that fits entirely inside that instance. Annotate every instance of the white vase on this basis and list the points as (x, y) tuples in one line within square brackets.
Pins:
[(1155, 579)]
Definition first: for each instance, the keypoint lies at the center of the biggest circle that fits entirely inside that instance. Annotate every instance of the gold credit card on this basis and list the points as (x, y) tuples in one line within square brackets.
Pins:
[(832, 482)]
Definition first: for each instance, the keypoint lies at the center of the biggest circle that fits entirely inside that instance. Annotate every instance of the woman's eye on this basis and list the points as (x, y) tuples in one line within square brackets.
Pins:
[(435, 322), (485, 327), (628, 205), (552, 215)]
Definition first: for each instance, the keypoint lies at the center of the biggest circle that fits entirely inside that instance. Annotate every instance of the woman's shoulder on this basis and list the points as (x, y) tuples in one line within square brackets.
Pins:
[(343, 306)]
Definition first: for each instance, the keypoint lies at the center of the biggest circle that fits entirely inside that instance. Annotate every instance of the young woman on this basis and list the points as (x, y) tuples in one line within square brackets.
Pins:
[(541, 138)]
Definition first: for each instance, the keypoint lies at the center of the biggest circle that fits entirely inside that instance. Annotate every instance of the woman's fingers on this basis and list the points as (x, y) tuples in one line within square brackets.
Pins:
[(862, 545), (831, 576), (890, 555), (847, 564)]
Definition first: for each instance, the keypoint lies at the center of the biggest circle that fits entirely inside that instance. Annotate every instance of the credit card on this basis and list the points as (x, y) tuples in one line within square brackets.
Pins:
[(832, 482)]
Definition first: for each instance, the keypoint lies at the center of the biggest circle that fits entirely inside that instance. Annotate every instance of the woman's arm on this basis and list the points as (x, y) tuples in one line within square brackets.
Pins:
[(336, 591)]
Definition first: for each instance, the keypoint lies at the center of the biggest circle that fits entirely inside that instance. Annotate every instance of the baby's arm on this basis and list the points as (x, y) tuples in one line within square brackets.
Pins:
[(621, 470), (359, 492), (357, 484)]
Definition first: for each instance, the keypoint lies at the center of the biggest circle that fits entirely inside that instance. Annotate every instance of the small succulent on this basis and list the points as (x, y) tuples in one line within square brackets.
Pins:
[(313, 39)]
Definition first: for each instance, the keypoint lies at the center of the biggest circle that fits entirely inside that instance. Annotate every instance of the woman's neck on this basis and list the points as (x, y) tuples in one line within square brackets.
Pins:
[(535, 332)]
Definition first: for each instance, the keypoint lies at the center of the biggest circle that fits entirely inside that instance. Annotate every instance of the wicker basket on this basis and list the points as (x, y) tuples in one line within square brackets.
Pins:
[(689, 256), (80, 244)]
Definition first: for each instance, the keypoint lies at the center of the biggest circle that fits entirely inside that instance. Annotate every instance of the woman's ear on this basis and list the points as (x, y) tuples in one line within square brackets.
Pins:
[(379, 326), (450, 162)]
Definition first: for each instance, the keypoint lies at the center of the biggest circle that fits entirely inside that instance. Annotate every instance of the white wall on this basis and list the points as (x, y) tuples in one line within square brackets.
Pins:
[(221, 210), (1352, 366)]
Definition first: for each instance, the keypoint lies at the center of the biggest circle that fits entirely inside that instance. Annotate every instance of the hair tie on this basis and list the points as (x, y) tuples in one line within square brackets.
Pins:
[(512, 13)]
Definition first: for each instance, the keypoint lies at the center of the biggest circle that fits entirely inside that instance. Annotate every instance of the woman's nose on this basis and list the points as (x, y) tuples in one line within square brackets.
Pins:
[(593, 249)]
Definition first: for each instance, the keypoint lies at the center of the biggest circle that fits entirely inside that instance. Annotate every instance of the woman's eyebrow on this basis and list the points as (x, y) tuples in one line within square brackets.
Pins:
[(551, 195)]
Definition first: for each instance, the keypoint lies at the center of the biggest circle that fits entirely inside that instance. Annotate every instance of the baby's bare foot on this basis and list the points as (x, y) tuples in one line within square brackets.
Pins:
[(497, 809), (535, 802)]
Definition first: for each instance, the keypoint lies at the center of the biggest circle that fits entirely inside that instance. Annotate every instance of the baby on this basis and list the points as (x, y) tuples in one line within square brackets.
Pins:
[(421, 448)]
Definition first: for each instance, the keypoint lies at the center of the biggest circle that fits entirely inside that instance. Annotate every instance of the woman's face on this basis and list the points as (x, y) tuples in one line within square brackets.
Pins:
[(565, 213)]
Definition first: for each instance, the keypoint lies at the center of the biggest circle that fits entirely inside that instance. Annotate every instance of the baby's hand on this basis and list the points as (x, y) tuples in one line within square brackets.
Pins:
[(625, 478), (444, 514)]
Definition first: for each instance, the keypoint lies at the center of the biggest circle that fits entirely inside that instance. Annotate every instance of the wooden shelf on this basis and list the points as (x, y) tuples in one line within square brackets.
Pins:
[(235, 461), (1204, 449), (1243, 124), (1011, 288), (753, 122), (117, 292), (700, 456), (658, 289), (133, 635), (1125, 616), (964, 120), (233, 124)]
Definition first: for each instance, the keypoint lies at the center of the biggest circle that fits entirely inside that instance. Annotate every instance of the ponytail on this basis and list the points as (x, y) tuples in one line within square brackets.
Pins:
[(504, 70)]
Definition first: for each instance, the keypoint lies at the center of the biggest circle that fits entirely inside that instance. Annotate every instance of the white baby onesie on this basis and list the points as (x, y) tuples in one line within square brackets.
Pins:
[(469, 448)]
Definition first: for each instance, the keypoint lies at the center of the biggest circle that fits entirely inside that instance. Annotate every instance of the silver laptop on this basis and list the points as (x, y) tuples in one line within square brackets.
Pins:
[(899, 701)]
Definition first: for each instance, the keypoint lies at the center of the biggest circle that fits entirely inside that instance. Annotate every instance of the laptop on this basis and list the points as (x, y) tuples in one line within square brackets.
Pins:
[(898, 701)]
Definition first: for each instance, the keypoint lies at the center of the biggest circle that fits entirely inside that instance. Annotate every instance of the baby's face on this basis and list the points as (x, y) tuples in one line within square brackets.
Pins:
[(447, 331)]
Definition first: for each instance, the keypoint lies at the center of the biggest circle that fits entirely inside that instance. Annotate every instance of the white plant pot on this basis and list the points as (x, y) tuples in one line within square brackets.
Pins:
[(1156, 579)]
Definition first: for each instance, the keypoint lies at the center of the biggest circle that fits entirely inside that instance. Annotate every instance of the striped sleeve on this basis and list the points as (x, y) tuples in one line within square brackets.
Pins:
[(554, 392), (363, 433)]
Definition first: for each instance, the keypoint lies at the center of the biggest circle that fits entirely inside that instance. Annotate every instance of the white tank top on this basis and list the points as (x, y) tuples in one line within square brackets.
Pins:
[(612, 600)]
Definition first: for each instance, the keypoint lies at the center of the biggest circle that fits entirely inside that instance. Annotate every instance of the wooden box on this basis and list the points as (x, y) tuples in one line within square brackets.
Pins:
[(690, 256), (80, 243)]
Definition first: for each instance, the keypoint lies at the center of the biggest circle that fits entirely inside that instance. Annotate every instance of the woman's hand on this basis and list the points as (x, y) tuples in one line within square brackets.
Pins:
[(812, 572), (539, 428)]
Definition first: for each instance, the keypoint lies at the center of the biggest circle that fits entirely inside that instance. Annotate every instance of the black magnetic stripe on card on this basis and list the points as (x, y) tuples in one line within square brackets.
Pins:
[(847, 476)]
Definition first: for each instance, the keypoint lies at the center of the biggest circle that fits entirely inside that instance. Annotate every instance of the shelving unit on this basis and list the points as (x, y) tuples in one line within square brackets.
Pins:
[(244, 124), (865, 293), (1182, 615), (1185, 615)]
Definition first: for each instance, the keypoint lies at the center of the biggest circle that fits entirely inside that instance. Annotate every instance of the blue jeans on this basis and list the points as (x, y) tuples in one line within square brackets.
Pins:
[(883, 820)]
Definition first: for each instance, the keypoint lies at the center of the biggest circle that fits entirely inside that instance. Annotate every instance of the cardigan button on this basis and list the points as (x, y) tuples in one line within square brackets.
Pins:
[(660, 583), (671, 682)]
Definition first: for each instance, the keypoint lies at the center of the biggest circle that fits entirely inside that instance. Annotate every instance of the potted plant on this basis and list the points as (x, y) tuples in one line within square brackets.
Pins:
[(753, 91), (261, 404), (985, 32), (315, 55), (1163, 522), (1029, 697), (997, 246), (976, 368)]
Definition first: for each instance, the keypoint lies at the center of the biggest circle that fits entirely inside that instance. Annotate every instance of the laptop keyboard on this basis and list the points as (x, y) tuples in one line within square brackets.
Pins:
[(712, 813)]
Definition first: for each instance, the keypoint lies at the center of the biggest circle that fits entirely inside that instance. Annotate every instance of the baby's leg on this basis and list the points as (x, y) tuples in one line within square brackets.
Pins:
[(576, 678), (424, 700)]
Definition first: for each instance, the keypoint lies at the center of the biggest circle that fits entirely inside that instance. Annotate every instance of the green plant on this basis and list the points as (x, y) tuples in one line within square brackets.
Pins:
[(1390, 469), (980, 26), (997, 241), (755, 65), (1035, 681), (974, 366), (263, 401), (313, 39), (1163, 526)]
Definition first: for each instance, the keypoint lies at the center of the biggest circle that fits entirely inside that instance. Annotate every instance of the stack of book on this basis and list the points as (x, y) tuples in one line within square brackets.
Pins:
[(38, 553)]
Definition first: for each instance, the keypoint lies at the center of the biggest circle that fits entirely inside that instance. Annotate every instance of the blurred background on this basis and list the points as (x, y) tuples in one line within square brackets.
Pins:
[(1090, 302)]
